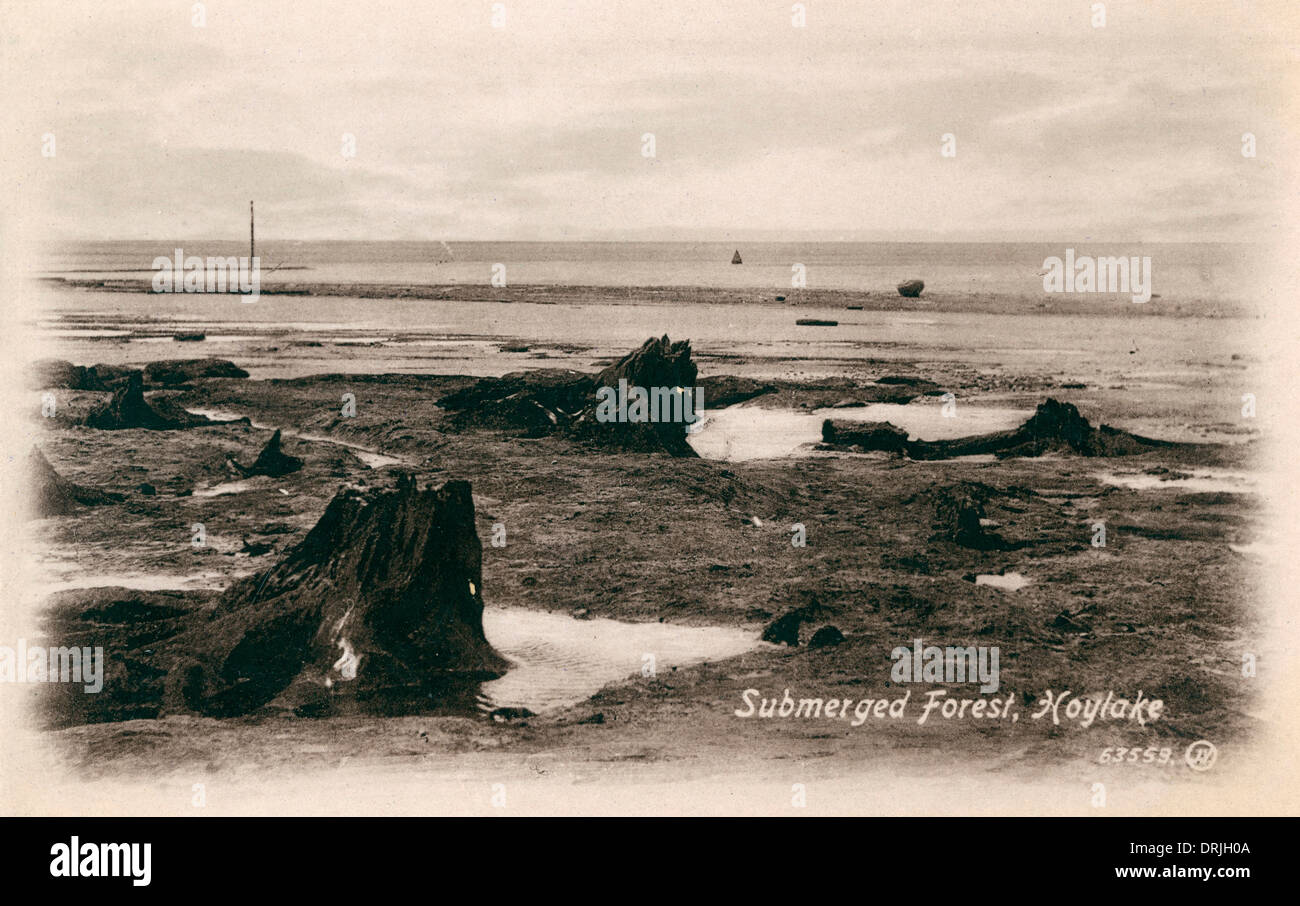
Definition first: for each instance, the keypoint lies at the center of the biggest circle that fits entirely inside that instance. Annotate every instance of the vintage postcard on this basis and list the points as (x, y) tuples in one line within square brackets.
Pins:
[(674, 408)]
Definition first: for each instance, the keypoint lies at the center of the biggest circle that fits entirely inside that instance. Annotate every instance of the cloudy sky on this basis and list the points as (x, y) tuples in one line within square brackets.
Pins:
[(535, 130)]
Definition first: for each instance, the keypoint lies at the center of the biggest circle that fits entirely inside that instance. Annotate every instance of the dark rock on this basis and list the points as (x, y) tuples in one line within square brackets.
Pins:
[(815, 322), (911, 289), (195, 337), (905, 380), (958, 509), (784, 630), (657, 363), (723, 390), (271, 461), (1054, 427), (867, 435), (146, 489), (58, 374), (826, 636), (181, 371), (384, 594), (536, 402), (129, 409), (543, 402), (502, 715), (44, 374), (54, 495), (1065, 622)]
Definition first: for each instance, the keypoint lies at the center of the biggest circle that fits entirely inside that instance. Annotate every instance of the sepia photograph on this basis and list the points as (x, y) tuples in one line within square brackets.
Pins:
[(574, 408)]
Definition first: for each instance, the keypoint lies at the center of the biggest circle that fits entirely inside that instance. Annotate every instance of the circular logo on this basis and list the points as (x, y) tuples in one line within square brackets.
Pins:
[(1201, 755)]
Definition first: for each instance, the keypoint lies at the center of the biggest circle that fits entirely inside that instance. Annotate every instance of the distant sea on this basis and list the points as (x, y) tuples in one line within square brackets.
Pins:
[(1186, 272)]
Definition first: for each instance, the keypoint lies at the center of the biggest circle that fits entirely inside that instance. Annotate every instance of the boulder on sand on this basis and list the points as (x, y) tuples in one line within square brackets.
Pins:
[(54, 495), (129, 409), (380, 606), (272, 460), (911, 289)]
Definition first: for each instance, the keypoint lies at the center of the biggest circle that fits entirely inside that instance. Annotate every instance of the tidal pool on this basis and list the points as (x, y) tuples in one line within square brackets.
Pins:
[(557, 661), (1195, 480), (751, 432)]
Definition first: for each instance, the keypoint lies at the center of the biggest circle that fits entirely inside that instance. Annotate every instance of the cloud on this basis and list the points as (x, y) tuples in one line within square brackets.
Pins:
[(535, 130)]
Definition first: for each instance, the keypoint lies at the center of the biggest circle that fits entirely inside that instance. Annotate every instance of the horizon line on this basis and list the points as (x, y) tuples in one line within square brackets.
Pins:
[(607, 241)]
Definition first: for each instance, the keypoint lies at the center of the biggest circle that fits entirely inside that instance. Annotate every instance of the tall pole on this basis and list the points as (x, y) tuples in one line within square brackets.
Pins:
[(251, 246)]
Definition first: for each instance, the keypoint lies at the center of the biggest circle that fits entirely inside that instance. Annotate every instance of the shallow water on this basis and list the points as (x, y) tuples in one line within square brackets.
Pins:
[(371, 458), (1097, 349), (1183, 270), (559, 661), (140, 581), (1194, 480), (750, 432), (555, 660), (1006, 582), (229, 487)]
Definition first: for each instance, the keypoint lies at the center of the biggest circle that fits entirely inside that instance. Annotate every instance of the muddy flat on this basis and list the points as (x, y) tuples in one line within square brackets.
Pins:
[(632, 591)]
